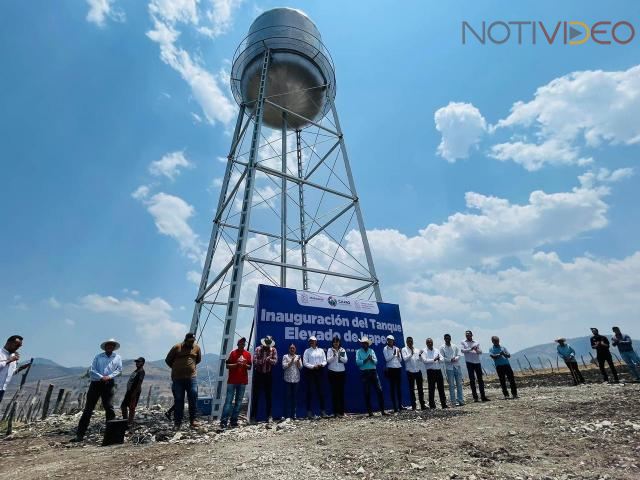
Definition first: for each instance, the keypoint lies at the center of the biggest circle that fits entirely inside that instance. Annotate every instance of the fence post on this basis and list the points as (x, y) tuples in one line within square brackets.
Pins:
[(58, 400), (530, 366), (36, 409), (149, 396), (519, 365), (583, 362), (22, 409), (47, 400), (10, 420), (550, 364), (64, 402), (558, 362)]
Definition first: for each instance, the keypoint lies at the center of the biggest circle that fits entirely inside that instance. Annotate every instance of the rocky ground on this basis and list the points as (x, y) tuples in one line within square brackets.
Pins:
[(552, 431)]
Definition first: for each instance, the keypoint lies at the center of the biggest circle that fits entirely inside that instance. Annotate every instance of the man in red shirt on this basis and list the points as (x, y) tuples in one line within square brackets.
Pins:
[(238, 364)]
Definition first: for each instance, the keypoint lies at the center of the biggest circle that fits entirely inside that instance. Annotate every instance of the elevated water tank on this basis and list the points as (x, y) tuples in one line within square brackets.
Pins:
[(301, 72)]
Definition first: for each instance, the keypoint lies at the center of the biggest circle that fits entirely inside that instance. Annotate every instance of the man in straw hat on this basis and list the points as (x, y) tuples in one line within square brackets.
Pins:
[(264, 358), (568, 354), (105, 367), (366, 361)]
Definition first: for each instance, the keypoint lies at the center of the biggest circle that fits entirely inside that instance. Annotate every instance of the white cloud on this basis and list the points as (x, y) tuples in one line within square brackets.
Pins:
[(595, 106), (194, 277), (220, 16), (169, 165), (53, 303), (152, 319), (603, 175), (141, 192), (100, 10), (69, 322), (533, 304), (494, 229), (462, 126), (581, 109), (205, 87), (171, 215), (534, 156), (175, 10), (567, 115)]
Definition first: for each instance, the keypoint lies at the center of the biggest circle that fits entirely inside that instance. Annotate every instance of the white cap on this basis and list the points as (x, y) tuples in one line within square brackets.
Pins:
[(313, 338), (390, 337)]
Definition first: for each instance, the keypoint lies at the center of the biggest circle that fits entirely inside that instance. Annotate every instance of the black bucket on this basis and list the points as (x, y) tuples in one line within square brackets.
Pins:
[(114, 433)]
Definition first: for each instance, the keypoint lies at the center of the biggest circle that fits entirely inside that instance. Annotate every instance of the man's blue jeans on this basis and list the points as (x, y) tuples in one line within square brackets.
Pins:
[(454, 378), (632, 361), (179, 387), (236, 391)]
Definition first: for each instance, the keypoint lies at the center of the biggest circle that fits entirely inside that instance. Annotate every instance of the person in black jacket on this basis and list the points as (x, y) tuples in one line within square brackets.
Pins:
[(601, 344), (134, 387)]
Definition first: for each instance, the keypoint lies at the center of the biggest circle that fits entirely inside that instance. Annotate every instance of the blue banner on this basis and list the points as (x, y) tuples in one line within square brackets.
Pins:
[(292, 317)]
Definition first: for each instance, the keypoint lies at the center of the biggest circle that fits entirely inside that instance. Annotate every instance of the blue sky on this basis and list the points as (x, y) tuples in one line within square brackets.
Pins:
[(513, 218)]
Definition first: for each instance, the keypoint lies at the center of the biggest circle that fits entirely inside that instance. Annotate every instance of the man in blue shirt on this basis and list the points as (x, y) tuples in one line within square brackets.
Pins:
[(105, 367), (366, 361), (568, 354), (625, 347), (500, 357)]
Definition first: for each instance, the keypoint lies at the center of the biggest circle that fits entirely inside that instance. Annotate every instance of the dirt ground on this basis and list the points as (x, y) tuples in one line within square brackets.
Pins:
[(551, 432)]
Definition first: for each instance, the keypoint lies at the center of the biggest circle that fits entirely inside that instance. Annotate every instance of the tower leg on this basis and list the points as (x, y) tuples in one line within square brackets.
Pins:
[(283, 205), (352, 187), (197, 310), (243, 234), (303, 234)]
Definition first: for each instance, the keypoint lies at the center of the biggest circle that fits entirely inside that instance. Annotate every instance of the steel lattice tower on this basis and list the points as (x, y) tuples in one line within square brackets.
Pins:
[(287, 167)]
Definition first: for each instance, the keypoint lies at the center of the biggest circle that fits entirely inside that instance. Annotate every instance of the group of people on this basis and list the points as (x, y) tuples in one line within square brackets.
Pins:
[(107, 365), (184, 357), (315, 360), (602, 346)]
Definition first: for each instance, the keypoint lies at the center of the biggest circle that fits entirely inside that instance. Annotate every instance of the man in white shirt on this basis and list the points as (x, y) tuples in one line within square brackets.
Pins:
[(450, 353), (336, 360), (433, 360), (9, 357), (411, 357), (472, 352), (314, 361), (393, 367)]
